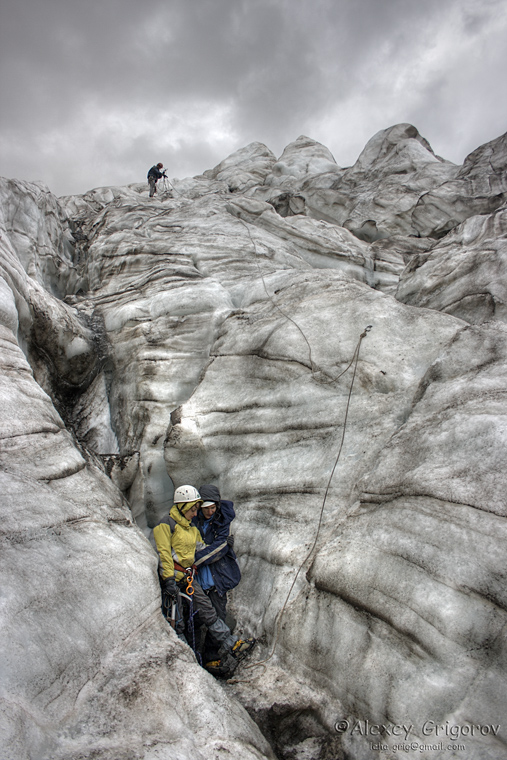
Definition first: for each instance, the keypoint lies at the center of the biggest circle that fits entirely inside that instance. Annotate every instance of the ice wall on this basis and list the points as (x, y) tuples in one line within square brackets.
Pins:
[(207, 335)]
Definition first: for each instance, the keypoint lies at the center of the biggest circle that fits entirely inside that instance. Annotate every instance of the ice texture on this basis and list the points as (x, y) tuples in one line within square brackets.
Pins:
[(210, 334)]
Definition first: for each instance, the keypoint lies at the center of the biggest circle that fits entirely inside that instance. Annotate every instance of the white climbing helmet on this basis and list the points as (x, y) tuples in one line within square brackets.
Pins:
[(186, 493)]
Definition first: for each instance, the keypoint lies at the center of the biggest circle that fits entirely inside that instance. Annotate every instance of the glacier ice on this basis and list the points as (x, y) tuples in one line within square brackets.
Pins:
[(207, 335)]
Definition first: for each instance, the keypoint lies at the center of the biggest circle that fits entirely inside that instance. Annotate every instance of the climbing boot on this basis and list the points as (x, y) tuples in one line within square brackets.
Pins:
[(241, 648), (223, 668)]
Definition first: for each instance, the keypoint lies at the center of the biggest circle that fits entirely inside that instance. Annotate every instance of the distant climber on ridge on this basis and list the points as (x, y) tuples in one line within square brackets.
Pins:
[(177, 541), (153, 176)]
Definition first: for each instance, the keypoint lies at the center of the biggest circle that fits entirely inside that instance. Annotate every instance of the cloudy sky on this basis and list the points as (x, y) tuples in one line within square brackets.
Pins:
[(95, 91)]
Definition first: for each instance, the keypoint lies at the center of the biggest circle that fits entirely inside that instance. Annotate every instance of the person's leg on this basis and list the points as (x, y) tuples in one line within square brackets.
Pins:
[(218, 602), (227, 644), (209, 649), (153, 186), (230, 649), (217, 628)]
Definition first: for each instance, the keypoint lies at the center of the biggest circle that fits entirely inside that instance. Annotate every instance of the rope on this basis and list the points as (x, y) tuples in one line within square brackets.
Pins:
[(354, 361), (167, 602), (314, 368), (191, 628)]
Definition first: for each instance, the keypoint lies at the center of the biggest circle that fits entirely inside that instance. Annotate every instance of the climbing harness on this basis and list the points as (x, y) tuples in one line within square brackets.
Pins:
[(189, 576), (189, 579), (354, 361)]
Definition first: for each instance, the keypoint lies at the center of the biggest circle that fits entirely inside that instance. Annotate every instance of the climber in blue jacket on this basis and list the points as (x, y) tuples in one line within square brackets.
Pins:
[(154, 175), (218, 568)]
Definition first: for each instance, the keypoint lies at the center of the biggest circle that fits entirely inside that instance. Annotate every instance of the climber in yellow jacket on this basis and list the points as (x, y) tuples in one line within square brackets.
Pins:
[(177, 541)]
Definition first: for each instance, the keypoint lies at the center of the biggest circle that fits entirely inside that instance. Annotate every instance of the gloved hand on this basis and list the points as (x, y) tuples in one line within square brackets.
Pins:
[(230, 541), (169, 587)]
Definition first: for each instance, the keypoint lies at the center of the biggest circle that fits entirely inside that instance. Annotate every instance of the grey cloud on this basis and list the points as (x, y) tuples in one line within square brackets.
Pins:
[(278, 69)]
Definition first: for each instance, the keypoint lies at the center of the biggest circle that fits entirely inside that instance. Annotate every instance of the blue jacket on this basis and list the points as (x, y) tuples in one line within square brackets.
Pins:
[(155, 173), (218, 555)]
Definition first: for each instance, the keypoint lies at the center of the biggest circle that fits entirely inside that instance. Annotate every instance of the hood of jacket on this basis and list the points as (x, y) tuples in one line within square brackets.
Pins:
[(210, 493), (178, 517)]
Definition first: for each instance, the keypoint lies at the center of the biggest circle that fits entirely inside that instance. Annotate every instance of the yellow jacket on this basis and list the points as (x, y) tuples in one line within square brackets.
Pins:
[(179, 545)]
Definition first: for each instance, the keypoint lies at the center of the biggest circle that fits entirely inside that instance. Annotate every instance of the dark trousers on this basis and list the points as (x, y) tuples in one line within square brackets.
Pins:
[(196, 611), (201, 604), (210, 651), (206, 612), (219, 602)]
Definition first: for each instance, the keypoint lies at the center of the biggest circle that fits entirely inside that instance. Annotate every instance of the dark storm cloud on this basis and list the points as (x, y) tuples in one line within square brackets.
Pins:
[(95, 92)]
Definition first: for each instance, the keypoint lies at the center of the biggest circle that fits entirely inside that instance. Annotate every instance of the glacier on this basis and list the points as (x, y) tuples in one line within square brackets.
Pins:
[(327, 345)]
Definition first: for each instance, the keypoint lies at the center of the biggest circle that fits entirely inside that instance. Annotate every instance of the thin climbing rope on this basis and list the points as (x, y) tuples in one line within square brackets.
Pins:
[(354, 361), (314, 368), (191, 628)]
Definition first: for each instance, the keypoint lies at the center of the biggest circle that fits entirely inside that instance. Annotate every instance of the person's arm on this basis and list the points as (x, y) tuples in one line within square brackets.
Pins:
[(219, 546), (162, 536)]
